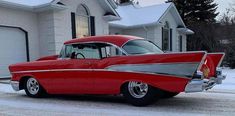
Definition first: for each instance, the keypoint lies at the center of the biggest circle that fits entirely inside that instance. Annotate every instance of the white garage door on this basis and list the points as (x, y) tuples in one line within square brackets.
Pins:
[(12, 49)]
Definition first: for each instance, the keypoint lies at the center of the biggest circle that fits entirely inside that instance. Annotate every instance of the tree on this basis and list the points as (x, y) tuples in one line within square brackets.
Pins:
[(227, 37), (193, 11), (199, 15)]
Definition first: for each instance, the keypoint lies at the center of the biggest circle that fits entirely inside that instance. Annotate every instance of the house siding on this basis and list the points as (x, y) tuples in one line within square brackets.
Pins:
[(62, 21), (46, 33), (25, 20), (173, 25)]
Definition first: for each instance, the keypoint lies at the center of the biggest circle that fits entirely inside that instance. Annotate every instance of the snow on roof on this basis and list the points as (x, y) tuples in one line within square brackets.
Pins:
[(30, 3), (134, 16)]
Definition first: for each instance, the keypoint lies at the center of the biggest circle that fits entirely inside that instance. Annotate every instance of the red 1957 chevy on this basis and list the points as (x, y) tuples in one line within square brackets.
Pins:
[(127, 65)]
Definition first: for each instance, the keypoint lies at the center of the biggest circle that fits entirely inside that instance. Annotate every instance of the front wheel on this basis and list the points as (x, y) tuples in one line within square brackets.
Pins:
[(33, 88), (139, 94)]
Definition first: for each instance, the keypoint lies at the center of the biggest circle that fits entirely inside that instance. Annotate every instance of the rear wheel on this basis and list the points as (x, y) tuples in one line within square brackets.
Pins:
[(139, 94), (33, 88)]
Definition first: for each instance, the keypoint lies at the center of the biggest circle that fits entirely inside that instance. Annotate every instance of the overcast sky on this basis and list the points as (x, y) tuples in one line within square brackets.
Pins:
[(223, 4)]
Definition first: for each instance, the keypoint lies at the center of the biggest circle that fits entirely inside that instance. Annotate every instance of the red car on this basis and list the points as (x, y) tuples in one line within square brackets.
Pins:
[(132, 66)]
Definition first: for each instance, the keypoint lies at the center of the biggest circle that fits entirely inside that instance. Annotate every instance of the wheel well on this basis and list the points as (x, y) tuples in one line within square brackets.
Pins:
[(22, 81), (122, 86)]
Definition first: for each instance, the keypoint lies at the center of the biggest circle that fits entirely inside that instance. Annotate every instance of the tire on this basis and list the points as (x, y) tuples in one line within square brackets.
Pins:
[(167, 95), (139, 94), (33, 88)]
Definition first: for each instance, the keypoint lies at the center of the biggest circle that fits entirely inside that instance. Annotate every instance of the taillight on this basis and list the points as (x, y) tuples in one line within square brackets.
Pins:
[(205, 71)]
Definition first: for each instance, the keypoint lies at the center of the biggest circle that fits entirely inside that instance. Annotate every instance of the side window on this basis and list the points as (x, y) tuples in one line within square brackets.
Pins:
[(66, 51), (110, 51), (88, 51)]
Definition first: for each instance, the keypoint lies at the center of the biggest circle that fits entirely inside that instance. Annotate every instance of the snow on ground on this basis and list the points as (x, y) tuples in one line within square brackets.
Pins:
[(229, 82)]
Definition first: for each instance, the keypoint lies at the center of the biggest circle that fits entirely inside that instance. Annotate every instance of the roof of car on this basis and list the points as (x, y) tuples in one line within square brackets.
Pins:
[(117, 40)]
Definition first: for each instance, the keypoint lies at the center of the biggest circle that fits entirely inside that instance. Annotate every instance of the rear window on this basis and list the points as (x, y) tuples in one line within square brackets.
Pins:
[(141, 47)]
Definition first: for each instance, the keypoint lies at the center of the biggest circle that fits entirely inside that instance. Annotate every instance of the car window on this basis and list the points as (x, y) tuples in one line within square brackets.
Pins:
[(110, 51), (80, 51), (141, 47), (90, 51)]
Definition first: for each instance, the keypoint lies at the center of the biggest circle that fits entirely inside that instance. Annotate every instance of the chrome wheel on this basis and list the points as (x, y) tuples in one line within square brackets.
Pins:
[(33, 86), (137, 89)]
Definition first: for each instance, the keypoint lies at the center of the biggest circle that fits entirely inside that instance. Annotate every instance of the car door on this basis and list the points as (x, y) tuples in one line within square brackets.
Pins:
[(75, 75), (103, 78)]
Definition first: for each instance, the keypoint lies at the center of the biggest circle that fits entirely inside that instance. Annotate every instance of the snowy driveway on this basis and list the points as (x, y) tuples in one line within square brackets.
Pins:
[(218, 101)]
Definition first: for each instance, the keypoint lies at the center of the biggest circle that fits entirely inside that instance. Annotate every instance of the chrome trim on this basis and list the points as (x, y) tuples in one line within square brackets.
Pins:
[(198, 75), (53, 70), (199, 85), (202, 61), (221, 60), (149, 73), (56, 70), (219, 76), (195, 85), (15, 85), (220, 79), (160, 68)]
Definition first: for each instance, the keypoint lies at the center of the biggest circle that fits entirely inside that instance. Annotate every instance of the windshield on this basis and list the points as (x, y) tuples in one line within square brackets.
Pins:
[(141, 47)]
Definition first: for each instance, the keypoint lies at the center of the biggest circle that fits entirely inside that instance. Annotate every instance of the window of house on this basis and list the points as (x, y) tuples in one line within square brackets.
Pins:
[(82, 21), (166, 37), (180, 43)]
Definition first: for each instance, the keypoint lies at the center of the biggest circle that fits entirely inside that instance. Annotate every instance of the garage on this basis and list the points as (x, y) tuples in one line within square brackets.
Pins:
[(13, 48)]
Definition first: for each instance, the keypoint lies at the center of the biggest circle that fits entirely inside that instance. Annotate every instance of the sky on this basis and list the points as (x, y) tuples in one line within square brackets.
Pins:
[(223, 4)]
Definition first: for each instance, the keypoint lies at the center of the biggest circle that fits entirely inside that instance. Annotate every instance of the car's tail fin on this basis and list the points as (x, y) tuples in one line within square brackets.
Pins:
[(212, 61)]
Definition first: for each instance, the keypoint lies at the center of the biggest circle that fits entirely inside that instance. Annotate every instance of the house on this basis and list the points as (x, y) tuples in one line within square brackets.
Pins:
[(160, 24), (29, 30)]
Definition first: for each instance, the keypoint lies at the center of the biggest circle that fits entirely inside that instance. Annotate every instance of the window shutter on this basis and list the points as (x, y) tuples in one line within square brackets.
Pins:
[(162, 38), (73, 23), (171, 40), (92, 24), (180, 43)]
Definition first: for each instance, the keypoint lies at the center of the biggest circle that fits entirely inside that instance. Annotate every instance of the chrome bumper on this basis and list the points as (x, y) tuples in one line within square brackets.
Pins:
[(199, 85), (15, 85)]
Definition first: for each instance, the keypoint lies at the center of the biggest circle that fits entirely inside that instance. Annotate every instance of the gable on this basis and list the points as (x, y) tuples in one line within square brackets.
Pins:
[(134, 16), (43, 5)]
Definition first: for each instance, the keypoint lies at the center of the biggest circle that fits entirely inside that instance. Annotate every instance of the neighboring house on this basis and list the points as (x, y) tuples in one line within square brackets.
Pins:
[(160, 24), (29, 31)]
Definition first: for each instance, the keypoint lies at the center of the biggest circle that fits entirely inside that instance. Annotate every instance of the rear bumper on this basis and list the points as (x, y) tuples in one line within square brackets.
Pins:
[(199, 85), (15, 85)]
